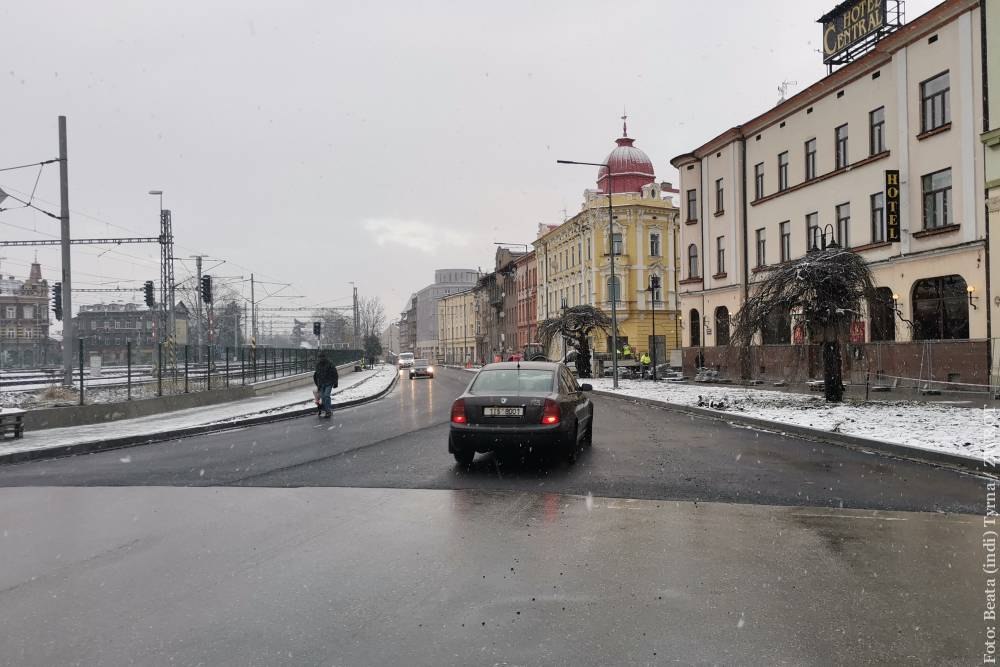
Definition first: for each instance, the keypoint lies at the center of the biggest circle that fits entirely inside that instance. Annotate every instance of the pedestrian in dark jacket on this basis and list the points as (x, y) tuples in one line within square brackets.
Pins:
[(325, 379)]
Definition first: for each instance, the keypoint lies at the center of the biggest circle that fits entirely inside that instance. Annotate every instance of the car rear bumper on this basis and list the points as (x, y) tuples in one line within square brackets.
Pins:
[(490, 438)]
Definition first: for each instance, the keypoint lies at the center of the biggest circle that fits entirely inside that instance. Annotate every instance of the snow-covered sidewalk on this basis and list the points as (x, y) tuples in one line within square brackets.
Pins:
[(353, 386), (941, 427)]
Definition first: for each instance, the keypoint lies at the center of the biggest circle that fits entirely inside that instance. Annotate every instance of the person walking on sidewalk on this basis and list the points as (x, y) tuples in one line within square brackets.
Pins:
[(325, 379)]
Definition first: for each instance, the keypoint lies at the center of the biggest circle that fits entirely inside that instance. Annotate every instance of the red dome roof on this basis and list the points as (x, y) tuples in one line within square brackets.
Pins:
[(631, 168)]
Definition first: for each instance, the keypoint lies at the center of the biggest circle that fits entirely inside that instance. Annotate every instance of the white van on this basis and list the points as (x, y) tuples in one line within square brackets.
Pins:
[(406, 360)]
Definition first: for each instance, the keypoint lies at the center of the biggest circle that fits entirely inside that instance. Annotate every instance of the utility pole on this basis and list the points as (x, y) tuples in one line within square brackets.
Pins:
[(357, 321), (69, 340), (197, 299), (253, 312)]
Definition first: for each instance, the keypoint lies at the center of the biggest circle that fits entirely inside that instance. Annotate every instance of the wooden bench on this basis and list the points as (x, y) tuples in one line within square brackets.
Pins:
[(11, 424)]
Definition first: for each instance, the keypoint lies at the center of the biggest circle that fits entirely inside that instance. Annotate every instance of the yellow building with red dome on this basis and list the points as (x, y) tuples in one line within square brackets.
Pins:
[(574, 266)]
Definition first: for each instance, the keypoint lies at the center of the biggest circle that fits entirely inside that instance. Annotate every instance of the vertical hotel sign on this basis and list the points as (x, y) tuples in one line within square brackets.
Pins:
[(892, 205), (849, 23)]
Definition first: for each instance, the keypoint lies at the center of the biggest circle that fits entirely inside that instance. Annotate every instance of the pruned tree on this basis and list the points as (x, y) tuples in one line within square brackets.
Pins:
[(827, 289), (576, 323)]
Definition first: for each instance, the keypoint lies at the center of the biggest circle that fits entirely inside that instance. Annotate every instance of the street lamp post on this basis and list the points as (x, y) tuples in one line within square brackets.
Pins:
[(611, 255), (654, 284)]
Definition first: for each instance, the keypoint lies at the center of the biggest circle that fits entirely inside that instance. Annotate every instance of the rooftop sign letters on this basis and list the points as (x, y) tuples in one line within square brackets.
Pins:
[(850, 23)]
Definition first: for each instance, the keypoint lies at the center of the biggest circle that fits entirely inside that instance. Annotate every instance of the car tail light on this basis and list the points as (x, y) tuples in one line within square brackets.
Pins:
[(550, 413), (458, 412)]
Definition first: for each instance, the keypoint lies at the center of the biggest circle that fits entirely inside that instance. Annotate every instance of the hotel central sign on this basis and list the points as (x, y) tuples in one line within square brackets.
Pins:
[(852, 22)]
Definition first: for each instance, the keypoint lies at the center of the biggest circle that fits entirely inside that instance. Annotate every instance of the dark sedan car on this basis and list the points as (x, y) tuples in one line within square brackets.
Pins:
[(527, 406)]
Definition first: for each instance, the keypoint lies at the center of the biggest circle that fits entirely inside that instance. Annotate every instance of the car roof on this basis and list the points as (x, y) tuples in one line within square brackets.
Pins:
[(523, 365)]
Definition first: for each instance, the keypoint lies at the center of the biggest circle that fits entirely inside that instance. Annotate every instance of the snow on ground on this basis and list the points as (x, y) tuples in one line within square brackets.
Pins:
[(966, 431), (353, 386)]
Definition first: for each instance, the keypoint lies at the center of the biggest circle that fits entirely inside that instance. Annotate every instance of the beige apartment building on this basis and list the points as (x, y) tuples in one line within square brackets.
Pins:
[(815, 169), (456, 319)]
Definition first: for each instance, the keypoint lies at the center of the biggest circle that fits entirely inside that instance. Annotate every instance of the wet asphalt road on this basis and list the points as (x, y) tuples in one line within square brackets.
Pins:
[(639, 452), (792, 552)]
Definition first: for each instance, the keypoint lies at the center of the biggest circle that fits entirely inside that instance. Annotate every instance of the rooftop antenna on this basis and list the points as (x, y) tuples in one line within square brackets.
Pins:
[(783, 89)]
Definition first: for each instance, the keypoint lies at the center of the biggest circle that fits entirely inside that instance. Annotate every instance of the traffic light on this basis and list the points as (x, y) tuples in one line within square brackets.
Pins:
[(147, 290), (206, 289), (57, 300), (316, 328)]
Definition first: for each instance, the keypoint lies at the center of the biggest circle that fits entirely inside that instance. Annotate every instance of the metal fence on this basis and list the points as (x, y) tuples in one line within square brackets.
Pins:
[(166, 371)]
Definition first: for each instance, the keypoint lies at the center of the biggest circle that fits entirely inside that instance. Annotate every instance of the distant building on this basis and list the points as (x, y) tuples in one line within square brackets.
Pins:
[(24, 322), (446, 281), (526, 285), (457, 326), (107, 328), (408, 326), (488, 306)]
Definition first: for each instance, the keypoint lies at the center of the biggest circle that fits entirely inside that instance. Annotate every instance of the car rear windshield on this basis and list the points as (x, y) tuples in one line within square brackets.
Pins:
[(511, 381)]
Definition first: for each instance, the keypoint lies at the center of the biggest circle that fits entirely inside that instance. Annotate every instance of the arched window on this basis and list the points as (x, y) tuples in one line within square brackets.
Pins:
[(882, 313), (940, 308), (614, 288), (692, 261), (722, 326), (695, 323)]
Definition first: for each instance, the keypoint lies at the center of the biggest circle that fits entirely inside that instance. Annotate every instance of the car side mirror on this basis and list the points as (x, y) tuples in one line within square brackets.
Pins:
[(586, 387)]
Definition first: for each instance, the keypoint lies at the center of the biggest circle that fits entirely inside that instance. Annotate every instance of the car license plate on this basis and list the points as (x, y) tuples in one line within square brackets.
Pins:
[(503, 412)]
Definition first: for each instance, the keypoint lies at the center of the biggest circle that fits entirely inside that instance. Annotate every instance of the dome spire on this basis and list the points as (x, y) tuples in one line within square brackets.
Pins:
[(624, 122)]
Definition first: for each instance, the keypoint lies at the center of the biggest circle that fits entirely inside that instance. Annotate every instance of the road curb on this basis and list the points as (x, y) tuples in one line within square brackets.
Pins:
[(163, 436), (808, 433)]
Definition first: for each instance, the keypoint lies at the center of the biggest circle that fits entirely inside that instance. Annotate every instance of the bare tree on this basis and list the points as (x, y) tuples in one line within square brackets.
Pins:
[(827, 288), (576, 323), (372, 316)]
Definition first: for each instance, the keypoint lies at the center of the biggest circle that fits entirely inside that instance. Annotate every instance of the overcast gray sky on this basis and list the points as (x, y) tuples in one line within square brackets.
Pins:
[(318, 142)]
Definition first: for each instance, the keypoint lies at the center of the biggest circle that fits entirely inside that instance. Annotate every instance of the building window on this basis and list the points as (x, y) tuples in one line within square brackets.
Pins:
[(11, 333), (940, 309), (722, 326), (692, 205), (614, 288), (882, 314), (876, 138), (812, 230), (93, 325), (758, 180), (878, 217), (783, 171), (719, 207), (935, 106), (654, 245), (695, 328), (811, 159), (785, 232), (720, 254), (778, 328), (761, 248), (11, 312), (617, 243), (28, 312), (843, 225), (840, 137), (937, 199), (692, 261), (657, 293)]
